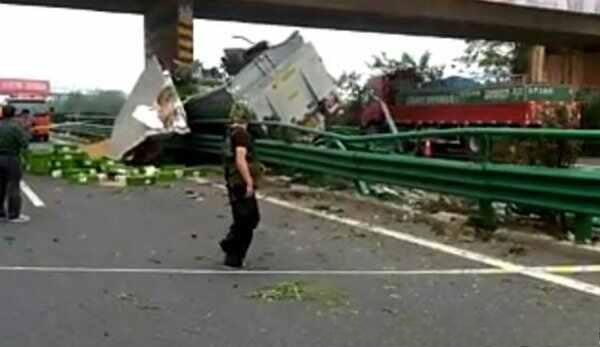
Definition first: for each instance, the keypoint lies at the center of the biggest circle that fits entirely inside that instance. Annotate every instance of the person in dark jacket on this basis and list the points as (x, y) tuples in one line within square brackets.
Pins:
[(241, 171), (13, 141)]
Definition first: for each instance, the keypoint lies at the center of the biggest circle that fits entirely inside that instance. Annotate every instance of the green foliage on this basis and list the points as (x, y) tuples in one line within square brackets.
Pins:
[(197, 79), (543, 152), (497, 60), (591, 120), (107, 102), (351, 90), (355, 94), (591, 114), (422, 68)]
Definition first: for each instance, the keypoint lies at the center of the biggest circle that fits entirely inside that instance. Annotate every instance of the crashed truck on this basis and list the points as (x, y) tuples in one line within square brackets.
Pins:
[(285, 83)]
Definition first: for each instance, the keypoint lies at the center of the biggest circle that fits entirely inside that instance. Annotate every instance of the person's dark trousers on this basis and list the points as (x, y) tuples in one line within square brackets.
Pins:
[(246, 217), (10, 190)]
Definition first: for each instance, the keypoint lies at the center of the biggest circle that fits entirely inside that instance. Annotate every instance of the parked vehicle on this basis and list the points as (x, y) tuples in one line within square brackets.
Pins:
[(30, 98)]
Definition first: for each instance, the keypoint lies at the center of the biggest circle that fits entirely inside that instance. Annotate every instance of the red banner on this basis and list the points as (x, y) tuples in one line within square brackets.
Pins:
[(15, 87)]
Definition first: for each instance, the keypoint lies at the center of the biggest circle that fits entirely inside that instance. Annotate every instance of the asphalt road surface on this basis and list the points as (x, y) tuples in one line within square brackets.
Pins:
[(141, 267)]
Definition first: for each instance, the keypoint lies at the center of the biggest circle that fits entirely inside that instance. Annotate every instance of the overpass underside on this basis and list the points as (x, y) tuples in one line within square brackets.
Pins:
[(445, 18)]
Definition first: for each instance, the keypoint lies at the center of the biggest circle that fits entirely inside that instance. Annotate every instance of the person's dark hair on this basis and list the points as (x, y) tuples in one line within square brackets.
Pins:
[(26, 111), (8, 111)]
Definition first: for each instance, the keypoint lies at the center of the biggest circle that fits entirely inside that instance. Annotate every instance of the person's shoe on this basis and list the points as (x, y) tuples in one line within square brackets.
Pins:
[(225, 246), (20, 220), (233, 261)]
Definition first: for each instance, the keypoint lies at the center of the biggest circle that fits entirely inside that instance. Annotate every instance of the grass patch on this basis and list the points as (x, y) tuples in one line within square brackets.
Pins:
[(299, 291)]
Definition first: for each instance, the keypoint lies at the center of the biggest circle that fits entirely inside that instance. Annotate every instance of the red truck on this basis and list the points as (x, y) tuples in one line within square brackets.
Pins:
[(459, 102), (33, 96)]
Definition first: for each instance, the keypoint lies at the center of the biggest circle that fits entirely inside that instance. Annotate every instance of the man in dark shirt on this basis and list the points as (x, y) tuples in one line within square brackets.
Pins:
[(241, 184), (13, 141)]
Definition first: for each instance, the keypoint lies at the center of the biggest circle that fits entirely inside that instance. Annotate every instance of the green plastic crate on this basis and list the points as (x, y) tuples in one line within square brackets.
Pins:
[(178, 170), (64, 163), (83, 179), (167, 176), (68, 173), (39, 163), (62, 149), (140, 180)]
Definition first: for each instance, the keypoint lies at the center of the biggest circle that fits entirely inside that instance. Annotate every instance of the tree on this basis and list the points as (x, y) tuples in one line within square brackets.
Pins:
[(97, 101), (190, 80), (497, 61), (423, 71), (351, 90)]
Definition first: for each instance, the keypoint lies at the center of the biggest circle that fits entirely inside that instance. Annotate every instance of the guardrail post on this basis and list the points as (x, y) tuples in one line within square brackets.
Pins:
[(487, 215), (583, 228), (361, 186)]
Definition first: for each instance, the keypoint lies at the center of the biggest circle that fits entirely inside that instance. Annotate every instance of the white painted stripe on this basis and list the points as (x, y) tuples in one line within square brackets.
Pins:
[(571, 269), (168, 271), (477, 257), (537, 273), (31, 195), (171, 271)]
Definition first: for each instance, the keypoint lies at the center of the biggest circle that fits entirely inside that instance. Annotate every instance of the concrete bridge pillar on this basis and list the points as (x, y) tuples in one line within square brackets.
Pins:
[(577, 68), (169, 32)]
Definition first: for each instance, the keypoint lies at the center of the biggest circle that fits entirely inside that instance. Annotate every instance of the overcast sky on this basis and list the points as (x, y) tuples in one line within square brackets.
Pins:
[(83, 49)]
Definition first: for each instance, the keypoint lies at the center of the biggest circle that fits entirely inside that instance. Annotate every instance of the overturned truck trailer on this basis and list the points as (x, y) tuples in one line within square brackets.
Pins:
[(287, 83)]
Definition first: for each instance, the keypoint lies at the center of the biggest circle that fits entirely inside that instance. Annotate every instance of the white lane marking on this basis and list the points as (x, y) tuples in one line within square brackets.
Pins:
[(537, 273), (31, 195), (170, 271), (571, 269), (474, 256)]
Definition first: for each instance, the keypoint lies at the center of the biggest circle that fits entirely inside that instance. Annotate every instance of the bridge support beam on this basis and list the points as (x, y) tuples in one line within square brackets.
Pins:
[(169, 32), (577, 68)]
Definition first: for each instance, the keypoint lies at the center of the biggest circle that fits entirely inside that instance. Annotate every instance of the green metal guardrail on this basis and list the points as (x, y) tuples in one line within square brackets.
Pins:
[(570, 190), (95, 131)]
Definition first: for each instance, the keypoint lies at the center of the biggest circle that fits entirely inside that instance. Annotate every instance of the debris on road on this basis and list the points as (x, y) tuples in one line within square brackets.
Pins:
[(517, 250), (390, 311), (127, 297), (78, 167), (9, 240), (299, 291), (329, 208), (154, 261)]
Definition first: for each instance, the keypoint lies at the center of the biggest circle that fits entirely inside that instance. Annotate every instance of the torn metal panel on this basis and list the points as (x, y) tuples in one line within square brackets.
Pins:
[(287, 82), (152, 110)]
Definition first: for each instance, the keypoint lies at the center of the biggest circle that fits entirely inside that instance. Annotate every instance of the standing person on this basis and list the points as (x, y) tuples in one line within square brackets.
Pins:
[(13, 140), (26, 119), (241, 176)]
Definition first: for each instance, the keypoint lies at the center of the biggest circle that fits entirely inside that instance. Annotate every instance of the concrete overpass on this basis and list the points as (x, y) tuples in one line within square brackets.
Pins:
[(445, 18)]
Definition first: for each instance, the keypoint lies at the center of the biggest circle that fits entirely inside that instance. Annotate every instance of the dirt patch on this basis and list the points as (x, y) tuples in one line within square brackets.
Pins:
[(98, 149)]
